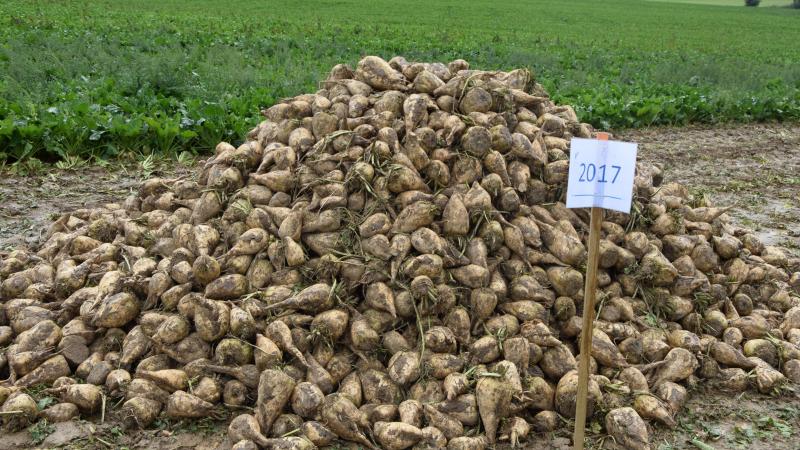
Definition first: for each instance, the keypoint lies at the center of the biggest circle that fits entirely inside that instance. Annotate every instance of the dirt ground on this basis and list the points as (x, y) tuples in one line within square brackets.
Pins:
[(29, 202), (753, 168)]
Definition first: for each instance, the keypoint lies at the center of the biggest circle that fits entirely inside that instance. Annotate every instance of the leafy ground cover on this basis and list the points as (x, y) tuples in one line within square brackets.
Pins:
[(85, 80)]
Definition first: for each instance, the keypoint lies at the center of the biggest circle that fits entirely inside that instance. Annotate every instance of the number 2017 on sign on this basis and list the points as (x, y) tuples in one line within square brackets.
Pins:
[(601, 174), (588, 173)]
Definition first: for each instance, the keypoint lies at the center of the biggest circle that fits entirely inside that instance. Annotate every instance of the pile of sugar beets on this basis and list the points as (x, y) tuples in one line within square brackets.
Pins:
[(389, 262)]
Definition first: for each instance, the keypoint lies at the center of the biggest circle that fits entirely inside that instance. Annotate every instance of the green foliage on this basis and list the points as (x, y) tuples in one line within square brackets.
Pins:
[(96, 79), (44, 402), (40, 431)]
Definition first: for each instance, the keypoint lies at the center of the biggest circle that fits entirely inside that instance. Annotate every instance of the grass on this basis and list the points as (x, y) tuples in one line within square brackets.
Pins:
[(97, 79)]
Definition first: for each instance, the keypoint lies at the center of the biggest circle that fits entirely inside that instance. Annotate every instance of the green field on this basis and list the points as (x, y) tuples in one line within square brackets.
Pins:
[(94, 79)]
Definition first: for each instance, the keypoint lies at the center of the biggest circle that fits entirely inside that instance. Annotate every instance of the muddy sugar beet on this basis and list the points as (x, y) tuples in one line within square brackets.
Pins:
[(389, 262)]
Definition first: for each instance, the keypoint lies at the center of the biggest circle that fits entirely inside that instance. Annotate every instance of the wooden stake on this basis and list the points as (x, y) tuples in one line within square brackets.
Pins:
[(589, 294)]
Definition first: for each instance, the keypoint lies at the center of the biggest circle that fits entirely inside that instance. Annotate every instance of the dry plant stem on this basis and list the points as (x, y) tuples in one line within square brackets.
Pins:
[(589, 292)]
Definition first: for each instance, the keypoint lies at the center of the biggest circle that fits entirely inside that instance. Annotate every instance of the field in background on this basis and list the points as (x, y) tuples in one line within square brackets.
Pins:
[(95, 79)]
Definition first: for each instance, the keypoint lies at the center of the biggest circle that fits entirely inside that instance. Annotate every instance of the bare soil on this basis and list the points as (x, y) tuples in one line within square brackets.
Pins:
[(753, 168), (30, 202)]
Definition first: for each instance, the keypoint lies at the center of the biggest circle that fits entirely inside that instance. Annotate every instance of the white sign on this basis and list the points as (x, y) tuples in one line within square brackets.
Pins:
[(601, 174)]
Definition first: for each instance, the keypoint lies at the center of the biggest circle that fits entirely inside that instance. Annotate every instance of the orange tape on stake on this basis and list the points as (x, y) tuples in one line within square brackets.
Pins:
[(589, 294)]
